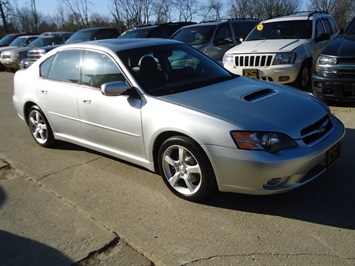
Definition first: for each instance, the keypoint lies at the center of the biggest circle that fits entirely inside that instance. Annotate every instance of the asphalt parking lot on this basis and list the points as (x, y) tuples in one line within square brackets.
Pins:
[(71, 205)]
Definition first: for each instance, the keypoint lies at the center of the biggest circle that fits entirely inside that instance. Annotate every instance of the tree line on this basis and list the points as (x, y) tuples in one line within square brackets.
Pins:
[(124, 14)]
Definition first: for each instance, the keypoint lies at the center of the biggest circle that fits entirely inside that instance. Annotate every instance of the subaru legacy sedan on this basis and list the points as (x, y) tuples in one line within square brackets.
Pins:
[(169, 108)]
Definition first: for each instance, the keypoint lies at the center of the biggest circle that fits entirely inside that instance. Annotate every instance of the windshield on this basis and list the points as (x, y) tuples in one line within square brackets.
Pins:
[(7, 39), (297, 29), (18, 42), (168, 69), (194, 35), (45, 41)]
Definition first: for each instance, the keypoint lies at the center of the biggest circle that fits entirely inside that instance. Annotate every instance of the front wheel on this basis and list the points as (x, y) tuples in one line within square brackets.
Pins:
[(303, 80), (186, 169), (40, 128)]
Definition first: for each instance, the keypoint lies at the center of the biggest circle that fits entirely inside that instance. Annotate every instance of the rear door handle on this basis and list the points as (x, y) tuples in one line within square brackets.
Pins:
[(86, 101)]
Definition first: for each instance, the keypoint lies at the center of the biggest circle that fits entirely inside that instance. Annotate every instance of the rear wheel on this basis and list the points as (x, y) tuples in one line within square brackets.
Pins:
[(40, 128), (186, 169)]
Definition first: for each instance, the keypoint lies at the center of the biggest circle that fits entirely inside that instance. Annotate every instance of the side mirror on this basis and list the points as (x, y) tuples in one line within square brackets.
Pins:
[(115, 88)]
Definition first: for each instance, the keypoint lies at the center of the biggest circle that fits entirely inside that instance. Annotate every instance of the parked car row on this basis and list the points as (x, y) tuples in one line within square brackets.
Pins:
[(21, 54), (283, 49)]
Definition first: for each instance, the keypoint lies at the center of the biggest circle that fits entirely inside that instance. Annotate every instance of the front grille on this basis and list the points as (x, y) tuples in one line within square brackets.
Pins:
[(253, 60), (5, 56), (315, 132), (346, 60), (346, 73), (34, 55)]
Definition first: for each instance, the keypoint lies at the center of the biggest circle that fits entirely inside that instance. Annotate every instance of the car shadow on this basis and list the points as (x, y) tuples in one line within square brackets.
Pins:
[(328, 200)]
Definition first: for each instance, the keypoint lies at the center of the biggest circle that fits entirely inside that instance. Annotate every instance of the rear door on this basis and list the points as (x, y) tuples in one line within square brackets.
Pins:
[(57, 91)]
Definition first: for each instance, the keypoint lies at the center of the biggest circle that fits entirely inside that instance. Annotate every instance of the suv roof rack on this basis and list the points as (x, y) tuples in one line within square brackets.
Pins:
[(308, 13), (226, 19), (166, 24)]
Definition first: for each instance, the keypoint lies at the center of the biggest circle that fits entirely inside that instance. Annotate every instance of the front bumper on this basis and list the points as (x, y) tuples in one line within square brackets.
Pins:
[(333, 88), (13, 63), (283, 74), (263, 173)]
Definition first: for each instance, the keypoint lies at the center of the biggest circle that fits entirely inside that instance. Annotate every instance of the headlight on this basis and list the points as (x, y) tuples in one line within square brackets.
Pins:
[(326, 60), (325, 65), (284, 58), (227, 59), (268, 141)]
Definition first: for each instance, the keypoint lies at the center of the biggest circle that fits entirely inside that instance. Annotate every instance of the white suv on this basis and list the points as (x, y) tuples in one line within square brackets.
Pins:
[(283, 49)]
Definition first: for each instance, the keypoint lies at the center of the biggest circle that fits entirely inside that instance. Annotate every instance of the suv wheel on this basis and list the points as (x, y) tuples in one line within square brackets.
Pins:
[(303, 80)]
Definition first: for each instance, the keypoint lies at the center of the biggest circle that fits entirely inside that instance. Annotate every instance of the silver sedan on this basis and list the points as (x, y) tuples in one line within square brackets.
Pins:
[(165, 106)]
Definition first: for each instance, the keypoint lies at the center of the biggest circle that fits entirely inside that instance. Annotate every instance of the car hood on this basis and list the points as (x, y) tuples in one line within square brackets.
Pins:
[(268, 46), (255, 105), (7, 48), (342, 47), (22, 49)]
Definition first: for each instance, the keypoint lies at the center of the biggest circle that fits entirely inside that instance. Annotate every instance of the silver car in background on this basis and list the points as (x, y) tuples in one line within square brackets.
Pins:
[(167, 107)]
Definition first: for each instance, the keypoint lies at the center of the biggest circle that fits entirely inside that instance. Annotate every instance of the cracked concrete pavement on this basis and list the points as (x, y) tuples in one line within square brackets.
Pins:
[(71, 205)]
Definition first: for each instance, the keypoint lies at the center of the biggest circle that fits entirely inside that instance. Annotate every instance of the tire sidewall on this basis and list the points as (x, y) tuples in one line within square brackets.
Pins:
[(50, 138), (208, 183)]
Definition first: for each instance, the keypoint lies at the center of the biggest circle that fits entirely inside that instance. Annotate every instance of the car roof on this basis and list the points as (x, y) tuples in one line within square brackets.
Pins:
[(298, 16), (97, 28), (123, 44), (218, 22), (27, 36)]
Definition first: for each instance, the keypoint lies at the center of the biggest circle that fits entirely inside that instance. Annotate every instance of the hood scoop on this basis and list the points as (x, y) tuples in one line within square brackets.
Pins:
[(259, 95)]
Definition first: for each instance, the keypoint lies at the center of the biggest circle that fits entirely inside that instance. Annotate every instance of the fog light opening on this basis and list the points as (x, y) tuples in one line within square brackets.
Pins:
[(274, 181), (284, 78)]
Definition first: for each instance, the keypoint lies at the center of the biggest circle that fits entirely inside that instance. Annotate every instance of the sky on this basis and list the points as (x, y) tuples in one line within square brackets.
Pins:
[(50, 6), (99, 6)]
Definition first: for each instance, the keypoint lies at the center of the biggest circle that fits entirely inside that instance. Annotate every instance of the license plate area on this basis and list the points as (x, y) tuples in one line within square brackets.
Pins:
[(251, 73), (332, 155)]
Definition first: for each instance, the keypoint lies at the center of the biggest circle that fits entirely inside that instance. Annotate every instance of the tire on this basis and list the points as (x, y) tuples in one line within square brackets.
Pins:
[(40, 128), (186, 169), (303, 80)]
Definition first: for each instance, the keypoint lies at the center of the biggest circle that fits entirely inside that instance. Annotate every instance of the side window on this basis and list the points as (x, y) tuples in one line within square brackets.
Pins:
[(58, 40), (242, 29), (159, 32), (223, 35), (99, 68), (319, 28), (334, 24), (106, 34), (328, 26), (65, 66)]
